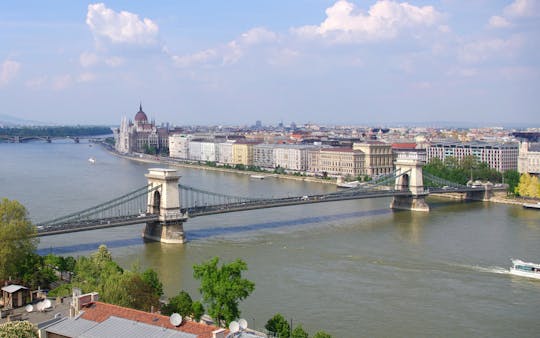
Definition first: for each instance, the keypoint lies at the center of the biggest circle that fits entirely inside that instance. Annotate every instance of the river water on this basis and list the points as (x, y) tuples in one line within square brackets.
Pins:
[(352, 268)]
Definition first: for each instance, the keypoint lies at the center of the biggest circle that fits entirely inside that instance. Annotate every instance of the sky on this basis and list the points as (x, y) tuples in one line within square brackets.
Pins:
[(355, 62)]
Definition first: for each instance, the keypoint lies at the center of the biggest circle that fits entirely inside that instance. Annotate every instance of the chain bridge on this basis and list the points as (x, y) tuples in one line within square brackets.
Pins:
[(164, 204)]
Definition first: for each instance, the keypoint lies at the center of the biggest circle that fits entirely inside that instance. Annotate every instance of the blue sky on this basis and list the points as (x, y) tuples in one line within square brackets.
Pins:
[(234, 62)]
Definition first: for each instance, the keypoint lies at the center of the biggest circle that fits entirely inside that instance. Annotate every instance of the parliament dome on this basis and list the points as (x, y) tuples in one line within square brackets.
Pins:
[(141, 116)]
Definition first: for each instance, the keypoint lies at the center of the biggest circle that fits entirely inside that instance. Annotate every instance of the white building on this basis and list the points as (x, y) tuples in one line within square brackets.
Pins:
[(499, 156), (195, 147), (208, 151), (263, 155), (529, 158), (225, 152), (293, 157), (179, 146)]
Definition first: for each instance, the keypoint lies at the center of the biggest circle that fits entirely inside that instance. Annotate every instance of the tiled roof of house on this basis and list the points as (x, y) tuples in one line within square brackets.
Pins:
[(403, 145), (100, 312)]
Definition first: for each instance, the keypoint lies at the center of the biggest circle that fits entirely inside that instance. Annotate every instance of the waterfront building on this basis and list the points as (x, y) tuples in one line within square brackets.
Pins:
[(242, 152), (140, 135), (263, 155), (292, 157), (225, 152), (378, 157), (529, 158), (208, 151), (341, 162), (499, 156), (312, 159), (195, 147), (179, 146)]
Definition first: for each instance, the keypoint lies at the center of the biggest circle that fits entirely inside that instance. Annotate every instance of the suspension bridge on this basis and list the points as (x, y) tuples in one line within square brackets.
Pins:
[(164, 204)]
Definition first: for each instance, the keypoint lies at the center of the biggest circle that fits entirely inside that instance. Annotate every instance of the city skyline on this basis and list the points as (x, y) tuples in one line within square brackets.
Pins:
[(330, 62)]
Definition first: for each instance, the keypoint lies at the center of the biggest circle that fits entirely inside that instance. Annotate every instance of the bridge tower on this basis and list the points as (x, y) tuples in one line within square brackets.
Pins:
[(164, 202), (410, 165)]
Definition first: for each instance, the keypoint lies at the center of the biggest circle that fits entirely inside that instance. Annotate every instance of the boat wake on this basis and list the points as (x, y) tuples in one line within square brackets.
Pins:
[(491, 269)]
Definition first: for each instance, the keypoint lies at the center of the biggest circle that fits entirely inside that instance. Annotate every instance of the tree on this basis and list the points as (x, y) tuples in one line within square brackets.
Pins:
[(222, 288), (151, 278), (299, 332), (511, 177), (528, 186), (181, 303), (18, 329), (198, 310), (278, 326), (322, 334), (17, 237)]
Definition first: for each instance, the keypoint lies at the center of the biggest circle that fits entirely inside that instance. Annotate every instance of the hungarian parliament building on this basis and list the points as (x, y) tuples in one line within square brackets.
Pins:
[(140, 135)]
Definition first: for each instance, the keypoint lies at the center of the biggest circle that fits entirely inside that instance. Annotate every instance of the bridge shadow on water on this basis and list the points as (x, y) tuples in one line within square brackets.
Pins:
[(199, 234)]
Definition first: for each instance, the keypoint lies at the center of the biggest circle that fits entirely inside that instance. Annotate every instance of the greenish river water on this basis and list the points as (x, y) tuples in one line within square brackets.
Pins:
[(353, 268)]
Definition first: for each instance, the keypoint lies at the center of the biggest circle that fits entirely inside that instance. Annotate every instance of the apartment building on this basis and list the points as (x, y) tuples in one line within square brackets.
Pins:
[(263, 155), (292, 157), (208, 151), (194, 149), (179, 146), (242, 152), (225, 152), (499, 156)]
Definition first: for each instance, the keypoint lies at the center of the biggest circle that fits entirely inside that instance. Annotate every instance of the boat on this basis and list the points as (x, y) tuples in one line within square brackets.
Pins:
[(92, 160), (532, 205), (525, 269), (260, 177), (352, 184)]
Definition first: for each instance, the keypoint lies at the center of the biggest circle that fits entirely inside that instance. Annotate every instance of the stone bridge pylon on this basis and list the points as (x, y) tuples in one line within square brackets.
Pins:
[(410, 164), (164, 202)]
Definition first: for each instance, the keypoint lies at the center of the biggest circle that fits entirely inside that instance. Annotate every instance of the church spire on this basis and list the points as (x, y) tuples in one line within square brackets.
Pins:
[(140, 105)]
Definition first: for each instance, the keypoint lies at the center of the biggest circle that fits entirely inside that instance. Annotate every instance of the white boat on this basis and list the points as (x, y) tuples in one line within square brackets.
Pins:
[(525, 269), (352, 184), (92, 160), (532, 205), (260, 177)]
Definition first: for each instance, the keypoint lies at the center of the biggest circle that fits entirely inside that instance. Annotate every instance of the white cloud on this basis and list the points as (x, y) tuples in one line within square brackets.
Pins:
[(229, 53), (523, 8), (384, 20), (88, 59), (9, 71), (86, 77), (196, 58), (481, 50), (62, 82), (36, 82), (114, 61), (498, 22), (120, 27)]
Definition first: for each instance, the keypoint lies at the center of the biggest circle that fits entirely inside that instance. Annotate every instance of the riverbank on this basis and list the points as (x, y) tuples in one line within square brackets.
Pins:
[(179, 164)]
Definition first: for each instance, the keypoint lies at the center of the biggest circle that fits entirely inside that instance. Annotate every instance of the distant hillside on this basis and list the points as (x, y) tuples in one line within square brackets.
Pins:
[(10, 121)]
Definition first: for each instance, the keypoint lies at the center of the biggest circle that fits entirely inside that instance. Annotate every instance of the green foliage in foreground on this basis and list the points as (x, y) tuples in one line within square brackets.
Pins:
[(278, 326), (17, 238), (18, 329), (222, 288)]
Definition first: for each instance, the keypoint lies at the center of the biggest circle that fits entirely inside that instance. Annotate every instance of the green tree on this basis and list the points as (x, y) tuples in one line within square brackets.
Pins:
[(18, 329), (278, 326), (299, 332), (181, 303), (17, 237), (198, 310), (511, 177), (150, 277), (322, 334), (222, 288)]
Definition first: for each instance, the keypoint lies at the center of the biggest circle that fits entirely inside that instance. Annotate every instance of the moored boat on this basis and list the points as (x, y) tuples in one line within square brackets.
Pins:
[(532, 205), (92, 160), (525, 269), (260, 177)]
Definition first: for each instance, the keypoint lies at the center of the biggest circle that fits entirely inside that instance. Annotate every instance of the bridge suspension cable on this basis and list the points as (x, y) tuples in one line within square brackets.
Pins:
[(128, 205)]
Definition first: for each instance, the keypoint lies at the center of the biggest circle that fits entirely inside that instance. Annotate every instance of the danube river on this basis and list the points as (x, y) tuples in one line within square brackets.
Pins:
[(353, 268)]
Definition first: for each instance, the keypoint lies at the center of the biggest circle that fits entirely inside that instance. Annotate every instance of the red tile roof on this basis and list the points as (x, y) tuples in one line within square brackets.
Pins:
[(99, 312), (403, 145)]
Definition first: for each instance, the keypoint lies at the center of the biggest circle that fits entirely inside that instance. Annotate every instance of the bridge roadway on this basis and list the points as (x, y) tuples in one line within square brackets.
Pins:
[(351, 194)]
